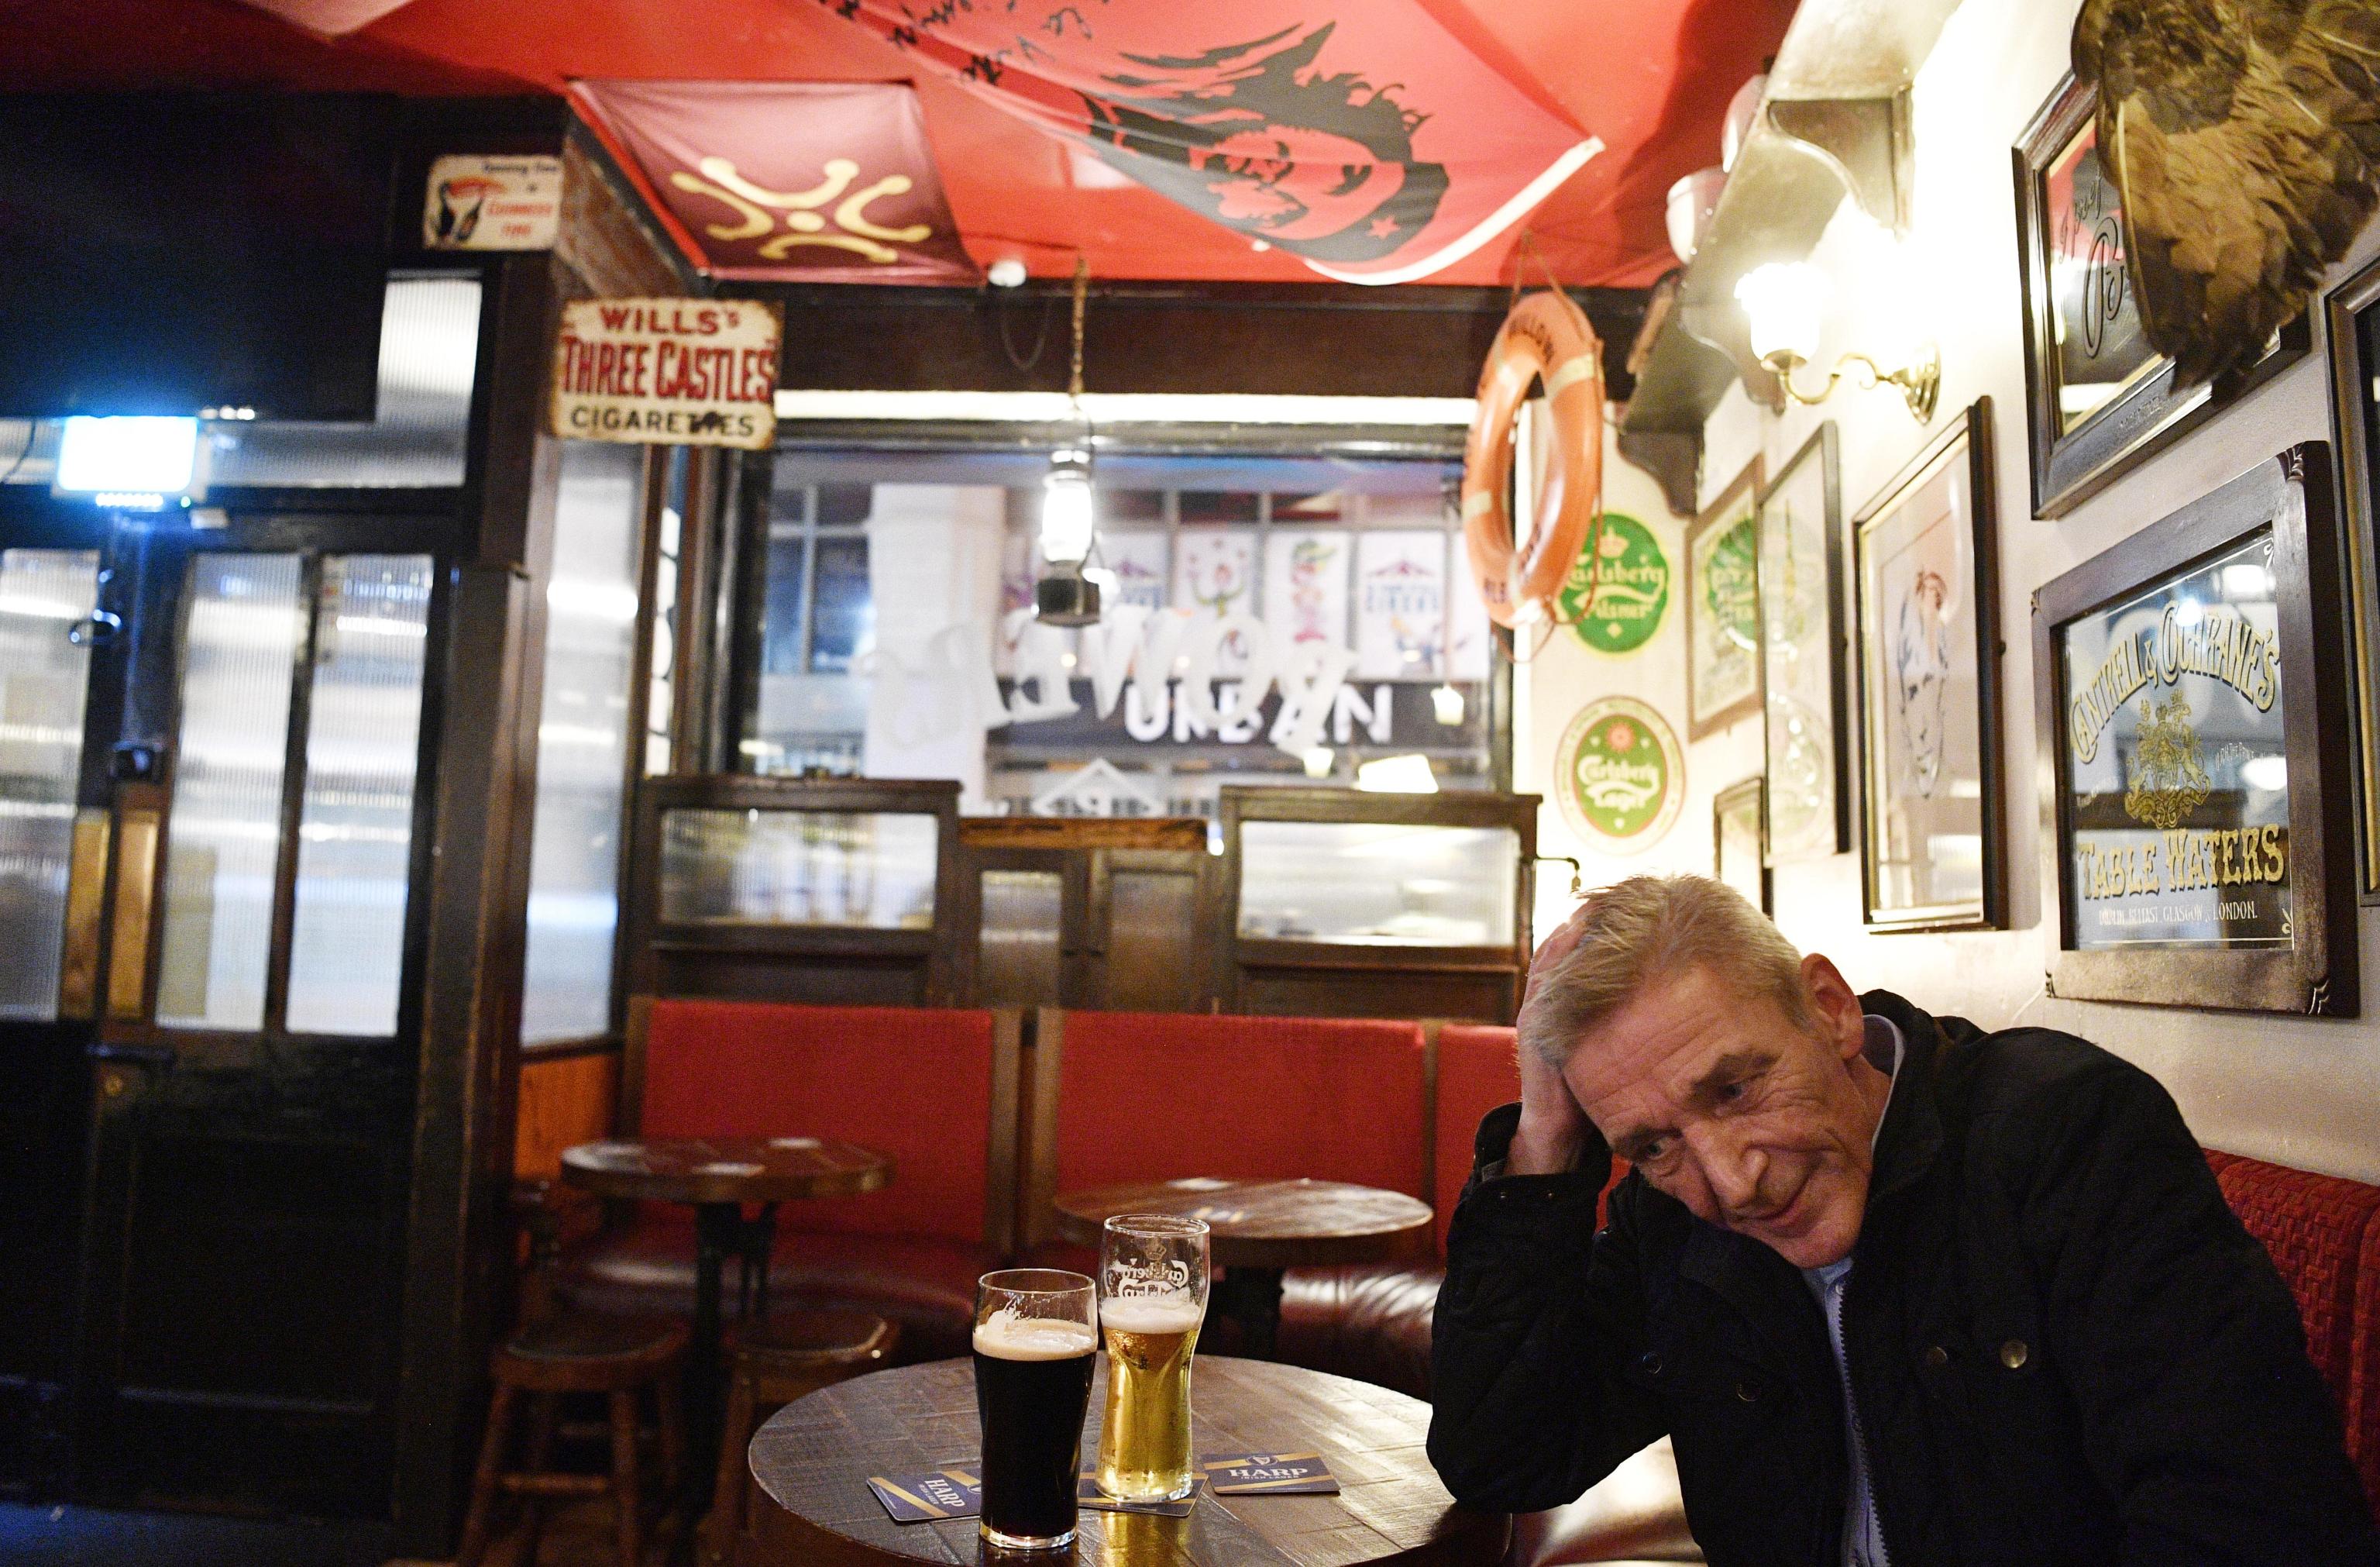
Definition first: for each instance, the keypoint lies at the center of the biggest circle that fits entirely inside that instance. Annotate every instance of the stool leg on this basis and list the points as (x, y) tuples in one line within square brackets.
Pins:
[(483, 1481), (545, 1412), (672, 1415), (727, 1496), (624, 1474)]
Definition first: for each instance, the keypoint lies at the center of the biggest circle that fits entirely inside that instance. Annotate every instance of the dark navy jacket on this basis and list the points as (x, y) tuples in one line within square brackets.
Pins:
[(2063, 1347)]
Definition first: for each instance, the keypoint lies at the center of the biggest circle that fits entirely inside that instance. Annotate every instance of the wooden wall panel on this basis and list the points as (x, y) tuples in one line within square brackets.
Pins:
[(563, 1100)]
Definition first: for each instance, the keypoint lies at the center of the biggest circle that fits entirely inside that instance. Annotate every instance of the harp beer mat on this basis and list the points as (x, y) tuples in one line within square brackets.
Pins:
[(1282, 1473), (957, 1491)]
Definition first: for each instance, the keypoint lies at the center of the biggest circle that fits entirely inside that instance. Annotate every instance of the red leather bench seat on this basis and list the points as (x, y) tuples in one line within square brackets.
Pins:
[(2314, 1228), (2323, 1235), (916, 1084), (2363, 1402), (1157, 1096), (1128, 1095)]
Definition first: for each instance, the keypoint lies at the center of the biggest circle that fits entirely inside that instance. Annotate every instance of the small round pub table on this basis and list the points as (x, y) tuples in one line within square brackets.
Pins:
[(1258, 1229), (813, 1460), (716, 1177)]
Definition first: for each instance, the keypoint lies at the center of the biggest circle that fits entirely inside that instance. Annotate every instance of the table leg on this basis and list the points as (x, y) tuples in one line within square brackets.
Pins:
[(760, 1242), (1251, 1296), (717, 1229)]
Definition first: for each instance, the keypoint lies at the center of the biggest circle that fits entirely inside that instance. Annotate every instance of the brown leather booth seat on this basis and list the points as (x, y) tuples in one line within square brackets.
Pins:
[(1371, 1322)]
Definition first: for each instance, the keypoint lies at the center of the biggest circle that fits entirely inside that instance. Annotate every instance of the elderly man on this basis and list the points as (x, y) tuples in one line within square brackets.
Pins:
[(1899, 1290)]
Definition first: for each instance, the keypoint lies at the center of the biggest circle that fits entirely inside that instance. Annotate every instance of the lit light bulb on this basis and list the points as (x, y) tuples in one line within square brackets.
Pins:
[(1784, 304), (1446, 705), (1067, 520)]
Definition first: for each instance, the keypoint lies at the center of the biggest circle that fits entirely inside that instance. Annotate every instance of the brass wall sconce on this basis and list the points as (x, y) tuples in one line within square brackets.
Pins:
[(1784, 305)]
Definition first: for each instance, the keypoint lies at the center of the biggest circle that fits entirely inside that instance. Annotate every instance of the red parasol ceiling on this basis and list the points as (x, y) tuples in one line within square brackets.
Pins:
[(1648, 79)]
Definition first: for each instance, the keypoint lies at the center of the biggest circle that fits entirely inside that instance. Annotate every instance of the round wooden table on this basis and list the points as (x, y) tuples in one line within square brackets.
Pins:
[(716, 1177), (813, 1460), (1257, 1229)]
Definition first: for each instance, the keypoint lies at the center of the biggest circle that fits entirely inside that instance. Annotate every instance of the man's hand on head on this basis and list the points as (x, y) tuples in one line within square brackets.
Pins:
[(1552, 1127)]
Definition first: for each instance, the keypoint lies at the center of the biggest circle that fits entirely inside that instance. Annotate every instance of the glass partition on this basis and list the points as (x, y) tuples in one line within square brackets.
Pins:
[(43, 593), (851, 869), (1371, 883), (582, 743), (245, 624), (881, 584), (355, 832)]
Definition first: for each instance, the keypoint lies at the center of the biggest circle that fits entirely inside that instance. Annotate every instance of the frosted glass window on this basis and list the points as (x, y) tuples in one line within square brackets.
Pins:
[(420, 434), (1378, 883), (245, 626), (43, 679), (355, 832), (871, 869), (582, 743)]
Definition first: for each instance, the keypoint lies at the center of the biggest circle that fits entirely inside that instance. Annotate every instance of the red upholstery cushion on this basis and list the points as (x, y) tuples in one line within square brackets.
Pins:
[(1475, 1074), (914, 1083), (2363, 1374), (926, 1286), (1476, 1071), (2314, 1226), (1153, 1097)]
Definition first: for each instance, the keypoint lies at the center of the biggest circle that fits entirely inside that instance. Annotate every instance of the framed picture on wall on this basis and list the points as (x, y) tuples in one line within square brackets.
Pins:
[(1803, 673), (2354, 309), (1723, 608), (1738, 849), (2099, 397), (1933, 839), (2191, 688)]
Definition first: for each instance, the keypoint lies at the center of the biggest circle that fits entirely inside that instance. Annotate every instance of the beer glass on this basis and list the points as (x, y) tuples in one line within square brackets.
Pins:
[(1152, 1298), (1035, 1337)]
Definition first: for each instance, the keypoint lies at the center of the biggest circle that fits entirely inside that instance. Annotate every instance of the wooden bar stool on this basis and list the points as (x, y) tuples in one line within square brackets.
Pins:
[(771, 1363), (556, 1351), (576, 1352)]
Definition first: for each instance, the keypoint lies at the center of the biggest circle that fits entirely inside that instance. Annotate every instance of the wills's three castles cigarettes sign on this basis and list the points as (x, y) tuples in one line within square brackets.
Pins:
[(671, 372)]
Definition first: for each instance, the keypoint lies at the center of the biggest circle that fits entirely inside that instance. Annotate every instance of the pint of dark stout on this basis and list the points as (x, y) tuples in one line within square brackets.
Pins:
[(1036, 1336)]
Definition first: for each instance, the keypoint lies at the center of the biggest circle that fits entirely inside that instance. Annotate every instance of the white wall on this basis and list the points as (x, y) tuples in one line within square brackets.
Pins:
[(2300, 1091)]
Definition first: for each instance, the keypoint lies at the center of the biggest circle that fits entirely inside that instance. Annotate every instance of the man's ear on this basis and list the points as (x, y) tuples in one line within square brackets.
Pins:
[(1834, 1005)]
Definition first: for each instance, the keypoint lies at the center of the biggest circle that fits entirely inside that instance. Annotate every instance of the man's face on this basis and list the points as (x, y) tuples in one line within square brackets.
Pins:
[(1756, 1125)]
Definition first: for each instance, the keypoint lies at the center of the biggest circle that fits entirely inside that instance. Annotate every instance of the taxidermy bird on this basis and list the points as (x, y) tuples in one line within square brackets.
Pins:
[(2243, 137)]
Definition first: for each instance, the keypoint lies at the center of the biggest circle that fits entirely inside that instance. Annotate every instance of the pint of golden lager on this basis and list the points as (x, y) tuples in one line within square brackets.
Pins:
[(1152, 1299)]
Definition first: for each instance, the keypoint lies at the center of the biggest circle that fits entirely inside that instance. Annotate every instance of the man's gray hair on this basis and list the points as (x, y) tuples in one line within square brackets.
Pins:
[(1636, 932)]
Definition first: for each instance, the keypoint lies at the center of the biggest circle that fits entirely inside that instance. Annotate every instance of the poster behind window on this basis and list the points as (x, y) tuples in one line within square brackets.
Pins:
[(1306, 586), (1214, 576), (1399, 605)]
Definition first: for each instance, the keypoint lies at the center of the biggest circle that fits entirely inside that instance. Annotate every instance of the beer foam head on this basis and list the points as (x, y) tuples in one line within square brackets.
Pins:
[(1004, 1335), (1174, 1311)]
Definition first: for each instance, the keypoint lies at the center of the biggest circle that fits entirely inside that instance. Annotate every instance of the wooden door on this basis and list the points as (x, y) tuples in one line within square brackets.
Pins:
[(56, 659), (252, 1094)]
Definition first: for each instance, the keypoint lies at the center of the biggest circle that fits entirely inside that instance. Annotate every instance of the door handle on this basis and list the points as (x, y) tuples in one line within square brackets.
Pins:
[(115, 1082)]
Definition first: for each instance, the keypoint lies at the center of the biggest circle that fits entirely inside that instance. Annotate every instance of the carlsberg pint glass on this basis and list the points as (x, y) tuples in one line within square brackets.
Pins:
[(1034, 1341), (1152, 1298)]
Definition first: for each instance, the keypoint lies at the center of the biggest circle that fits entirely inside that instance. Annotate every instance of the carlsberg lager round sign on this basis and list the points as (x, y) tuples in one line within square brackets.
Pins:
[(1631, 576), (1623, 775)]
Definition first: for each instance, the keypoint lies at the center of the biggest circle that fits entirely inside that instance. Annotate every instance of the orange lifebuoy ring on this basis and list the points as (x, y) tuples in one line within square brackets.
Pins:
[(1546, 338)]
